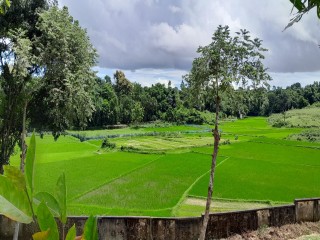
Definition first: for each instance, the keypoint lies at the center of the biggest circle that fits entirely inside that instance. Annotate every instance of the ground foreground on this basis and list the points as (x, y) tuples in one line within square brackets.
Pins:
[(303, 231)]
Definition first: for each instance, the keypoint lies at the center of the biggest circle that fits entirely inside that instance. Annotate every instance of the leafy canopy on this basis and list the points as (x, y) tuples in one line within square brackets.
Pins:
[(228, 61)]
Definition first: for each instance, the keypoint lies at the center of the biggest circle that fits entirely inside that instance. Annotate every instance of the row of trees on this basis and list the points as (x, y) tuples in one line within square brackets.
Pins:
[(126, 102), (121, 101)]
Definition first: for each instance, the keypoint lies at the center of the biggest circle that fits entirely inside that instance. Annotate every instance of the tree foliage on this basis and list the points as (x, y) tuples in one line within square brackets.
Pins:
[(225, 62), (303, 7), (4, 5), (45, 67), (66, 56)]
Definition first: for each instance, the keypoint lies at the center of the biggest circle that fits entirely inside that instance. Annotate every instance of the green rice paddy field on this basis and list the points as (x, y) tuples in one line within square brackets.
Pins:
[(167, 174)]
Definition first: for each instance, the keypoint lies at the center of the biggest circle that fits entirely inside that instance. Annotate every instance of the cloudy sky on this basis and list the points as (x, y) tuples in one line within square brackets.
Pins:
[(156, 40)]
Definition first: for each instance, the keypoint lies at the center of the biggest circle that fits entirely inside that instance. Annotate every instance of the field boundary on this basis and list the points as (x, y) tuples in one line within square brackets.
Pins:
[(185, 194), (221, 225)]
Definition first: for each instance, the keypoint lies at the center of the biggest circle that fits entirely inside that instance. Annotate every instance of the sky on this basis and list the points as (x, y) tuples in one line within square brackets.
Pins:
[(156, 40)]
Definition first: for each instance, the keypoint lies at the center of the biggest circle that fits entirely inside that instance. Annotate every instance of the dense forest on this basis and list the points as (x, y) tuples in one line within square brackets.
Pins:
[(126, 102)]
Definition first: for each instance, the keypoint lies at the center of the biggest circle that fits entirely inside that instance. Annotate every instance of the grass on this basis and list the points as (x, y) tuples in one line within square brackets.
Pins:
[(164, 143), (85, 169), (192, 206), (256, 169), (151, 129), (156, 186), (260, 167), (306, 118)]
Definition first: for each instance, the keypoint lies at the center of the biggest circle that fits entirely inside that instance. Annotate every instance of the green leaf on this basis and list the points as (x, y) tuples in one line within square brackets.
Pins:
[(90, 231), (8, 3), (61, 196), (14, 202), (71, 233), (46, 221), (50, 201), (30, 159), (41, 235), (298, 4), (15, 176)]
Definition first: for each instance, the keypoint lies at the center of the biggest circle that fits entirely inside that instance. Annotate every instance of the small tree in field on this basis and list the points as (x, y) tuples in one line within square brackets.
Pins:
[(226, 62)]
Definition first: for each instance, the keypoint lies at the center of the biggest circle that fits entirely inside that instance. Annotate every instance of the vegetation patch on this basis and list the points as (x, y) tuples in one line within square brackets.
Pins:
[(258, 166), (312, 135), (158, 185), (264, 171), (302, 118)]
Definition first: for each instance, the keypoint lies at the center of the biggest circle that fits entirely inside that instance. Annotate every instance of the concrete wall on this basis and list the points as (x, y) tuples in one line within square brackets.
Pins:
[(220, 224)]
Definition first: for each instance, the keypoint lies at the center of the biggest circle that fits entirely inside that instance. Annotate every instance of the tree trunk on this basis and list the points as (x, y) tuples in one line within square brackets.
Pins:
[(23, 138), (22, 158), (213, 166), (10, 127)]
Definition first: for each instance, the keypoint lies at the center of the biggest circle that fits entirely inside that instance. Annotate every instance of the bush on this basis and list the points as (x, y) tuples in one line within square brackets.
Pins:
[(277, 120), (191, 116), (127, 148), (225, 142), (279, 124), (107, 144)]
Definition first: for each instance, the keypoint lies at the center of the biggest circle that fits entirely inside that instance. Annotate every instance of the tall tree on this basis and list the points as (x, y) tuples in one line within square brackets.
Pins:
[(106, 105), (45, 65), (66, 57), (122, 86), (225, 61), (17, 28)]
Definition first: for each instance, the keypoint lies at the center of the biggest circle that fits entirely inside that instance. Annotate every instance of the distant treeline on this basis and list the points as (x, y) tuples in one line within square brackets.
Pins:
[(125, 102)]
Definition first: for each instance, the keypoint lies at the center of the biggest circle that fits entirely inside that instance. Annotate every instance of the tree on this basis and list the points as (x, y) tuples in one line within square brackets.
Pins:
[(17, 27), (224, 62), (137, 113), (45, 66), (123, 86), (126, 106), (66, 57), (303, 7), (106, 105), (4, 5), (107, 79)]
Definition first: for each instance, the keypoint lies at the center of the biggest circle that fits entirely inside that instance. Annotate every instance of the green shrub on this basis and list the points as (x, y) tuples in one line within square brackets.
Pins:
[(127, 148), (277, 120), (190, 116), (107, 144)]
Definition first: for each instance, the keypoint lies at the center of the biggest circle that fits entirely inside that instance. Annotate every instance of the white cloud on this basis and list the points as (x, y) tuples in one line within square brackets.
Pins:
[(147, 77), (287, 79), (174, 9), (153, 34), (181, 39)]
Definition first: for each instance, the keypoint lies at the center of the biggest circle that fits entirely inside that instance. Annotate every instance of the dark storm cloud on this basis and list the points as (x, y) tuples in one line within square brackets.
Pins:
[(136, 34)]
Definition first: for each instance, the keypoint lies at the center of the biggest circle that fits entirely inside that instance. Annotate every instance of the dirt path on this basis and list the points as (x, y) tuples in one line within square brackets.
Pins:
[(303, 231)]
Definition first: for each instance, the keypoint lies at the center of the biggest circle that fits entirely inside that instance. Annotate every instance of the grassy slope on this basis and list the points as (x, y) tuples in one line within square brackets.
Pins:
[(306, 117)]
